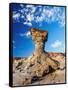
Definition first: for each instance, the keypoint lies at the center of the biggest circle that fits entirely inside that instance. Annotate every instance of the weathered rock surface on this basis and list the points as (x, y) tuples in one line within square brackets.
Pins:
[(41, 67)]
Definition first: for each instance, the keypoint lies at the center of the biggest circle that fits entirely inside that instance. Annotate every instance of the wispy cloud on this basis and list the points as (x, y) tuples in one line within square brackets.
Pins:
[(27, 34), (27, 23), (22, 5), (16, 16), (56, 44), (32, 13)]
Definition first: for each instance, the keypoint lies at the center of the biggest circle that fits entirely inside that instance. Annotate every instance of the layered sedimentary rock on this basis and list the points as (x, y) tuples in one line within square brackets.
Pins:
[(26, 70)]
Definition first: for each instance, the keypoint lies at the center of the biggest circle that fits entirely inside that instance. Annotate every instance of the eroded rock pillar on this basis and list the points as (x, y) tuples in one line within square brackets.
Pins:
[(39, 38)]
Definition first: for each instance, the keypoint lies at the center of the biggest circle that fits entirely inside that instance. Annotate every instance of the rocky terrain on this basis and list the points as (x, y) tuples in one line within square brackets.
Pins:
[(40, 68)]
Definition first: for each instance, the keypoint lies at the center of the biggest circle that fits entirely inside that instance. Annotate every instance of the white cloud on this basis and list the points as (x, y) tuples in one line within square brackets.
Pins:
[(29, 6), (48, 12), (22, 16), (44, 13), (28, 23), (40, 18), (27, 34), (32, 7), (29, 17), (52, 15), (16, 16), (61, 20), (56, 44), (21, 5)]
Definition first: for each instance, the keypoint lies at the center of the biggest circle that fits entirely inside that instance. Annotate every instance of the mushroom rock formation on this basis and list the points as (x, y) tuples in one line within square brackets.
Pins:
[(40, 37), (38, 64)]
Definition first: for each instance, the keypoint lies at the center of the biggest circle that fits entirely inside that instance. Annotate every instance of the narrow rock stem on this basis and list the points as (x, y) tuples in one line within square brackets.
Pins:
[(39, 38)]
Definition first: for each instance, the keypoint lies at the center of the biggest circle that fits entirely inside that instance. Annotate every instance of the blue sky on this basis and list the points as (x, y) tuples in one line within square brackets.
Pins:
[(50, 18)]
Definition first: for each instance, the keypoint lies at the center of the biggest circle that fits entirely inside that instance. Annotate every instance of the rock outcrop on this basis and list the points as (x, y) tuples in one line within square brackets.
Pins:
[(41, 63)]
